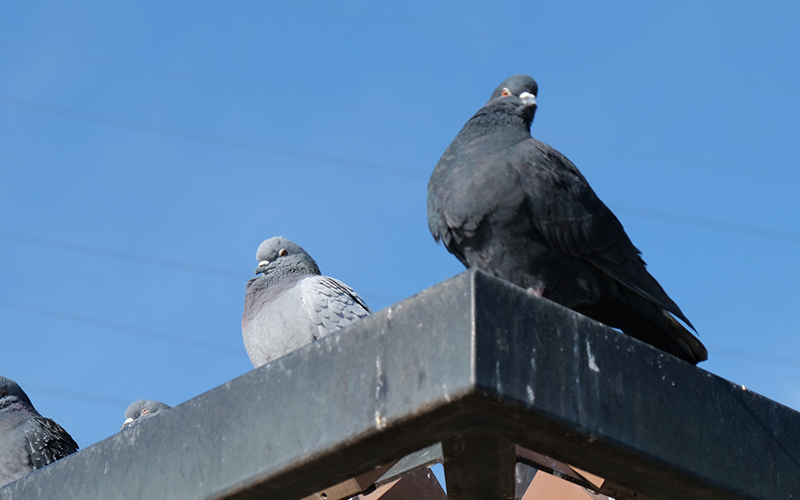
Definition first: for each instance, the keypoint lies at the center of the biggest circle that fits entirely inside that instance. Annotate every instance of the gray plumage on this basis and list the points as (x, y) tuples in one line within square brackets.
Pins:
[(291, 304), (28, 441), (506, 203), (141, 410)]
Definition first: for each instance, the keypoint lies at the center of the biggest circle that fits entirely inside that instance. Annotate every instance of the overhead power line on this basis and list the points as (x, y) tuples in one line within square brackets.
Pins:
[(78, 396), (730, 227), (119, 327), (121, 255), (193, 267), (758, 357), (194, 135), (343, 162)]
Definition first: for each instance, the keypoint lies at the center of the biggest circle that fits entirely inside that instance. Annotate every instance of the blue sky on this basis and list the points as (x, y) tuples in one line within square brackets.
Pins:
[(147, 149)]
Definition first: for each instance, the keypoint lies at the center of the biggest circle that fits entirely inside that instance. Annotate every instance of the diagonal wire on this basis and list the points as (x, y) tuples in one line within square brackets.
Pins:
[(220, 140), (354, 163), (125, 256), (77, 395), (122, 255), (758, 357), (730, 227), (119, 327)]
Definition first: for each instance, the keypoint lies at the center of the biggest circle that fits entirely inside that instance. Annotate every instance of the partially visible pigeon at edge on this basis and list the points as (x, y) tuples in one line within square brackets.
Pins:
[(513, 206), (291, 304), (141, 410), (28, 441)]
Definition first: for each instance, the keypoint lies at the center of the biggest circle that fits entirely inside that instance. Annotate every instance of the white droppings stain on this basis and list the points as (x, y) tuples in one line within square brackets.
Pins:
[(105, 469), (498, 383), (531, 395), (379, 385), (389, 313), (446, 395), (592, 365), (380, 422)]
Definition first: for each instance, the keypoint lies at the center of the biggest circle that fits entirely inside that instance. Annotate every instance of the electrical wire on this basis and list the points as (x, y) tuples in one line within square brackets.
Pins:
[(116, 326), (331, 160), (194, 135), (83, 397), (723, 351), (120, 255), (729, 227)]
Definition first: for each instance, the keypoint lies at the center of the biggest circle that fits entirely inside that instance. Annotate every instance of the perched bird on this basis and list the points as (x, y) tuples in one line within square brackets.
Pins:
[(515, 207), (28, 441), (141, 410), (291, 304)]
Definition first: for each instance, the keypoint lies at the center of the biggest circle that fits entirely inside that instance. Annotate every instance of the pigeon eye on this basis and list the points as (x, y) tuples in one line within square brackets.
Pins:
[(505, 93), (3, 394), (144, 410), (283, 253)]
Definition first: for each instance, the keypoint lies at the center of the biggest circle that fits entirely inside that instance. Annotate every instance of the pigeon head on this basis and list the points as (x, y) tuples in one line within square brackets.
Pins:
[(278, 253), (516, 95), (12, 394), (516, 85), (142, 408)]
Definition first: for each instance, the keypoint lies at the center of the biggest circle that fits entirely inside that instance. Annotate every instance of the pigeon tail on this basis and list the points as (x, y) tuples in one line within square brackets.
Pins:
[(646, 321)]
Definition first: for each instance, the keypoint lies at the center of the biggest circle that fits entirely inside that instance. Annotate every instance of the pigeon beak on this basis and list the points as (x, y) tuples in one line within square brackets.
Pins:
[(126, 423), (261, 265), (528, 99)]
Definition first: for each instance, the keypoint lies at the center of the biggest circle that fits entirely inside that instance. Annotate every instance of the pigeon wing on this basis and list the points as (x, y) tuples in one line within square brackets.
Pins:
[(331, 304), (570, 216), (47, 441)]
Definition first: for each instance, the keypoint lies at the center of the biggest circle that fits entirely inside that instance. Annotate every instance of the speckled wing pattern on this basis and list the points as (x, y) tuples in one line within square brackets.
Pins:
[(47, 441), (331, 304)]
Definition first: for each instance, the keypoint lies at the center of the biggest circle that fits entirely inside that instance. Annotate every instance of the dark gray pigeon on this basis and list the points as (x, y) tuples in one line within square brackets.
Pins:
[(291, 304), (141, 410), (28, 441), (506, 203)]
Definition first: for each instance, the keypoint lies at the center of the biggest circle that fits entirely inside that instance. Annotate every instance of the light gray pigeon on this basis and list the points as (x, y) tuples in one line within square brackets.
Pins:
[(515, 207), (291, 304), (28, 441), (140, 410)]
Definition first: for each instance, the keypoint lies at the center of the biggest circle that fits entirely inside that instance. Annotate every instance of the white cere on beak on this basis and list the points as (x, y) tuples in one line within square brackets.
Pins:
[(528, 99), (260, 265)]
